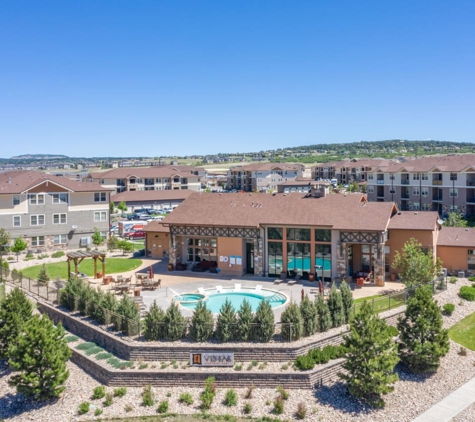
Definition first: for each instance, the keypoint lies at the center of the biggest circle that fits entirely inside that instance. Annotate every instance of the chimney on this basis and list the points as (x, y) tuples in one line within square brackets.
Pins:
[(318, 190)]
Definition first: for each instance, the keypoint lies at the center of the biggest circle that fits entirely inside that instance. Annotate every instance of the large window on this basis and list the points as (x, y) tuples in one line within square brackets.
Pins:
[(36, 199), (298, 257), (60, 239), (274, 251), (453, 193), (38, 241), (59, 219), (16, 199), (323, 262), (471, 259), (298, 234), (16, 220), (387, 259), (60, 198), (323, 235), (37, 220), (100, 216), (202, 249), (100, 196), (274, 233)]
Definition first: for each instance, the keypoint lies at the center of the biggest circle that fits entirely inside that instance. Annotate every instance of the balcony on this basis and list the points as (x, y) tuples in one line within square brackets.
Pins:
[(470, 180), (404, 181), (437, 182), (404, 195), (471, 200), (380, 181), (437, 198)]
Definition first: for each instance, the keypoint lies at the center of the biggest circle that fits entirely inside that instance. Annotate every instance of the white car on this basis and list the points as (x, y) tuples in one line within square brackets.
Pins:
[(157, 218)]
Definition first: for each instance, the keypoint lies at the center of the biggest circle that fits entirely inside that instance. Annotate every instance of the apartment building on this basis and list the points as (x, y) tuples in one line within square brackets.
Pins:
[(151, 178), (348, 171), (442, 184), (50, 212), (262, 177)]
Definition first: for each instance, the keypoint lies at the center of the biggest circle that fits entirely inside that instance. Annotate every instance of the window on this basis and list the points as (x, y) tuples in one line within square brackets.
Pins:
[(59, 218), (36, 199), (203, 249), (454, 208), (60, 198), (274, 253), (425, 191), (424, 176), (471, 259), (415, 206), (274, 233), (453, 193), (415, 190), (16, 200), (387, 259), (323, 235), (16, 221), (298, 234), (100, 196), (453, 176), (158, 180), (100, 216), (391, 177), (37, 220), (370, 176), (425, 207), (416, 176), (38, 241), (392, 190), (370, 189), (60, 239), (104, 235)]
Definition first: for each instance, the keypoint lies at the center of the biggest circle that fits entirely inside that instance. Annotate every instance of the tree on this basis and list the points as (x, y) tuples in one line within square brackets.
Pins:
[(414, 265), (40, 353), (112, 243), (335, 305), (323, 313), (15, 310), (127, 316), (422, 340), (4, 240), (226, 322), (125, 246), (202, 324), (122, 207), (18, 246), (244, 321), (264, 318), (292, 323), (96, 237), (154, 322), (43, 276), (347, 299), (308, 311), (111, 208), (175, 323), (371, 357), (455, 219)]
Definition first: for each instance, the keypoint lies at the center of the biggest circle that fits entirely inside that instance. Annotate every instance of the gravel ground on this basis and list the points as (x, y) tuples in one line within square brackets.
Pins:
[(413, 394)]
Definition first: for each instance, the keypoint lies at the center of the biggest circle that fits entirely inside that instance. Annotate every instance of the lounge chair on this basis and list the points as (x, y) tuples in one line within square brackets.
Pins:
[(237, 287), (219, 289), (294, 281), (201, 290), (283, 277), (258, 288)]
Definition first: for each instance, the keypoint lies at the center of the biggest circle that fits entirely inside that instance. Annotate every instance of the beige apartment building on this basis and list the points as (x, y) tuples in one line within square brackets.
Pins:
[(151, 178), (263, 177)]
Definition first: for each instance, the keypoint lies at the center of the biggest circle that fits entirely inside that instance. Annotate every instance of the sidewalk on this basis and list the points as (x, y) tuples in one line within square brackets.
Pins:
[(451, 406)]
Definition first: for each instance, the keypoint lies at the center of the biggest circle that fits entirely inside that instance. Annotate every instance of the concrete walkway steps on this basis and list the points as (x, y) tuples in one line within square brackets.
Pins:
[(451, 406)]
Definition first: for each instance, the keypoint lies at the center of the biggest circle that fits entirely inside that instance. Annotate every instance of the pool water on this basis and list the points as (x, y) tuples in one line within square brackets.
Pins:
[(215, 300)]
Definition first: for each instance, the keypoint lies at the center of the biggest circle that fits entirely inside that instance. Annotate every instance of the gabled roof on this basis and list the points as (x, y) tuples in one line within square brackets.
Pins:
[(151, 195), (267, 167), (457, 236), (146, 172), (344, 212), (156, 226), (414, 220), (442, 163), (19, 181)]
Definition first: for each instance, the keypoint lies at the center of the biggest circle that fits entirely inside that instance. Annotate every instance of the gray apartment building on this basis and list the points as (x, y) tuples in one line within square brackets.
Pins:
[(440, 183), (50, 212), (263, 177), (151, 178)]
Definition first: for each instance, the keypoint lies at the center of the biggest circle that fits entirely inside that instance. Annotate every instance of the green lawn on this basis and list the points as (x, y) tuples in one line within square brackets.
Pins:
[(464, 332), (113, 266)]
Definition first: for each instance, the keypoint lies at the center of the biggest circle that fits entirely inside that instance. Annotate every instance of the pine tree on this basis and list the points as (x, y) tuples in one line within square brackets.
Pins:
[(15, 311), (154, 323), (244, 321), (422, 340), (226, 322), (96, 237), (264, 318), (371, 357), (292, 323), (323, 313), (202, 324), (40, 353), (347, 299), (127, 316), (308, 311), (175, 323), (335, 305), (43, 276)]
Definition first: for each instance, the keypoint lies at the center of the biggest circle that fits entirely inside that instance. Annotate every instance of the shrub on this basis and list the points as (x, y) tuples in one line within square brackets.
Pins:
[(472, 278), (244, 320), (98, 412), (467, 293), (148, 396), (264, 318), (393, 331), (238, 367), (186, 398), (463, 351), (309, 316), (163, 407), (201, 328), (230, 399), (43, 276), (347, 300), (305, 362), (71, 339), (86, 346), (292, 324), (175, 323), (247, 409), (128, 408), (249, 391), (323, 313), (103, 356), (108, 400), (94, 350), (207, 396), (99, 392), (83, 407), (154, 327), (127, 316), (57, 254), (284, 394), (335, 305), (279, 405), (448, 308), (120, 392), (453, 279), (301, 411), (226, 322)]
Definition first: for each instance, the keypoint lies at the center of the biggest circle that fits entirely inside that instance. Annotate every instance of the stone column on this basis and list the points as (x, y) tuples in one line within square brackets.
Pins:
[(171, 250), (378, 260), (258, 256), (342, 259)]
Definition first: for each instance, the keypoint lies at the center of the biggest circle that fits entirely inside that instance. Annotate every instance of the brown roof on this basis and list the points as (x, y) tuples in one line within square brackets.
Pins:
[(156, 226), (358, 162), (442, 162), (344, 212), (18, 181), (143, 172), (457, 236), (414, 220), (151, 195), (267, 166)]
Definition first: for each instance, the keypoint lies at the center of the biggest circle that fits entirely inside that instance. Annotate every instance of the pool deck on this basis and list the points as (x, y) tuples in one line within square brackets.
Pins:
[(178, 282)]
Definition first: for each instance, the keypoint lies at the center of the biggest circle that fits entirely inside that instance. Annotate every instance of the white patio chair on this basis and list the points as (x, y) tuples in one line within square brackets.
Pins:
[(259, 288), (201, 290), (237, 287), (219, 289)]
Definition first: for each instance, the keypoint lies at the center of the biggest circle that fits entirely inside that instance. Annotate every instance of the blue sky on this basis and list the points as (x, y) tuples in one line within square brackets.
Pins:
[(133, 78)]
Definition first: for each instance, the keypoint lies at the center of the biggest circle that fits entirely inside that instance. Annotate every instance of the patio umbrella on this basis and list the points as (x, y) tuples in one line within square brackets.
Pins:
[(150, 271)]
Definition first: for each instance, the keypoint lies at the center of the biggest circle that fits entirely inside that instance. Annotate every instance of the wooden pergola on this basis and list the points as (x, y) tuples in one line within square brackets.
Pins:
[(78, 257)]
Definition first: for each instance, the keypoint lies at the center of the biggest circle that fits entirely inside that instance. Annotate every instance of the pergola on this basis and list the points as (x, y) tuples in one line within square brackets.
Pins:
[(77, 257)]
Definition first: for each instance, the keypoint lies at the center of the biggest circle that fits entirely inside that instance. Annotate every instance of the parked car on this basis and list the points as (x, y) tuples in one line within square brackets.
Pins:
[(137, 234), (133, 216), (167, 210), (157, 218), (144, 216)]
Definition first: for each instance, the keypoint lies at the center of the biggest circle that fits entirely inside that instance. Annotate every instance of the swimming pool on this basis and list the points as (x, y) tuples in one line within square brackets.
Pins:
[(214, 299)]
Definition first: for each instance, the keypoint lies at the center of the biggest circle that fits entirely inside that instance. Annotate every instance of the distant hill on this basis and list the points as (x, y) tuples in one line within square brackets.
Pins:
[(40, 157)]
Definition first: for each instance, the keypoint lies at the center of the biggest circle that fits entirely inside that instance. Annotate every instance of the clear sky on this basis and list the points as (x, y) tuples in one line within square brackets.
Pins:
[(137, 77)]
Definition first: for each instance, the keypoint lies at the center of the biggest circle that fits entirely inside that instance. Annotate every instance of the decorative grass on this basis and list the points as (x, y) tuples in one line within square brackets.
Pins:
[(103, 356), (86, 346), (71, 339), (94, 350)]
